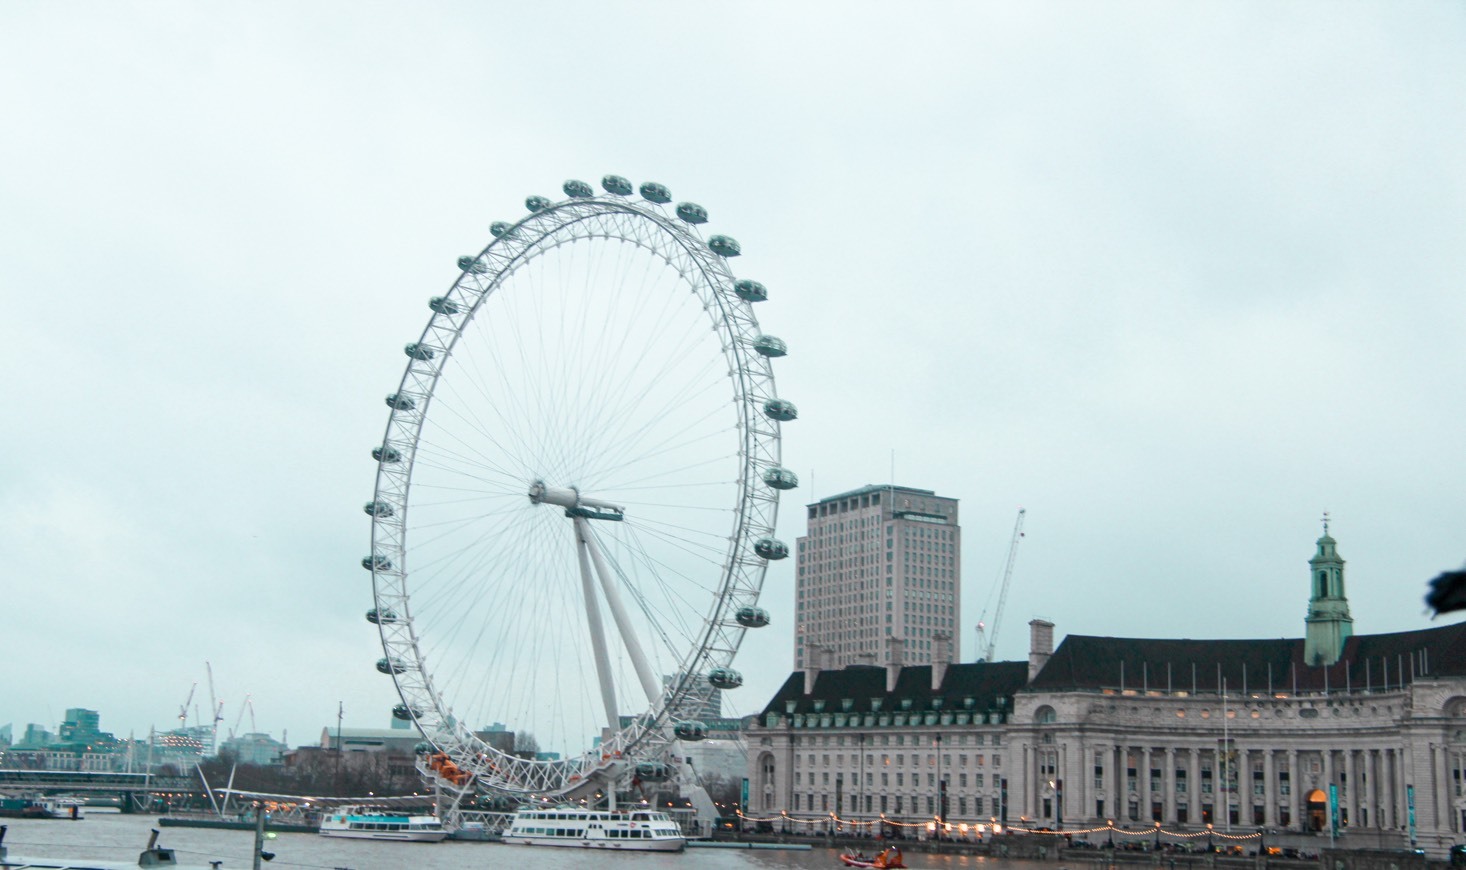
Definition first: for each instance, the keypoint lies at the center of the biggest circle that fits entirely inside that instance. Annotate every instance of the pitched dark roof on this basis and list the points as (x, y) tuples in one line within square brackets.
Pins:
[(1084, 662), (984, 682)]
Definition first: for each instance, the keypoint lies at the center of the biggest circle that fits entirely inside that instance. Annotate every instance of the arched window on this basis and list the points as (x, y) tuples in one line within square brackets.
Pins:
[(1045, 715)]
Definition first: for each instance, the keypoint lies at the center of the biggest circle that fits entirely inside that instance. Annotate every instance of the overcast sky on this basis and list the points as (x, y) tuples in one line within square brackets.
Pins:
[(1177, 278)]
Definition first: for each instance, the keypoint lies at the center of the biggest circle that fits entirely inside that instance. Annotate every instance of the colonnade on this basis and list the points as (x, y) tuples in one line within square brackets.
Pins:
[(1271, 787)]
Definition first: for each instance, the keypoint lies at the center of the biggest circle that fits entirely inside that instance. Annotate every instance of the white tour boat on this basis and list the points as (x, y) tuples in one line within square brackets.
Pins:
[(62, 807), (375, 823), (575, 827)]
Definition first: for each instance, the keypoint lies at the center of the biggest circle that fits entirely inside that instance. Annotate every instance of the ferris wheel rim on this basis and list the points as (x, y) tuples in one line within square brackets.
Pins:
[(743, 571)]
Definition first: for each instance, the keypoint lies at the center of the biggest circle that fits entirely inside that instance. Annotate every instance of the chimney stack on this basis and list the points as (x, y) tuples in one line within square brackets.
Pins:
[(1040, 645), (894, 650), (812, 662), (941, 657)]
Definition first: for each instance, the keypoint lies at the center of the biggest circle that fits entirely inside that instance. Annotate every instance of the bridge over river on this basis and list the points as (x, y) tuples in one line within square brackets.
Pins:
[(136, 792)]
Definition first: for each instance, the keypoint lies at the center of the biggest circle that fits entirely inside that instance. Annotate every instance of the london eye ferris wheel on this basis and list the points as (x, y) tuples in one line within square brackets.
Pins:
[(576, 493)]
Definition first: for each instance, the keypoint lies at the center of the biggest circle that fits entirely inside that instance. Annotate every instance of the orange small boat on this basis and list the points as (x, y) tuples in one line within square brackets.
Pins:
[(888, 859)]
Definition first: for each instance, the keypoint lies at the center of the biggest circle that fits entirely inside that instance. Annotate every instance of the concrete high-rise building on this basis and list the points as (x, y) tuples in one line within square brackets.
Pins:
[(879, 579)]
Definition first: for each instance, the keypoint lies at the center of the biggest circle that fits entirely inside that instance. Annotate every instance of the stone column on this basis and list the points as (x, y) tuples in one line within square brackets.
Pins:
[(1402, 800), (1062, 772), (1168, 784), (1294, 787), (1029, 785), (1389, 788), (1145, 796), (1269, 787), (1440, 787), (1376, 791), (1244, 787), (1351, 782), (1114, 782), (1193, 789)]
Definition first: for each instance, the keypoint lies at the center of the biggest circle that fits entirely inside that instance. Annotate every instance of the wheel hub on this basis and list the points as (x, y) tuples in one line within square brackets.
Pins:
[(575, 504)]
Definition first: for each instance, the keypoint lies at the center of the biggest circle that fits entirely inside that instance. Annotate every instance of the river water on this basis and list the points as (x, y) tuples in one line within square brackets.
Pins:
[(119, 838)]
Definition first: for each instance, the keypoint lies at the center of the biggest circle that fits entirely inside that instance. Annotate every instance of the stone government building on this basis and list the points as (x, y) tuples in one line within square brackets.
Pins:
[(1239, 734)]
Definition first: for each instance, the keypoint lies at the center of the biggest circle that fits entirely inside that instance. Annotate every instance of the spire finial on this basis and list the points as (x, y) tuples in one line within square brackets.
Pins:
[(1325, 522)]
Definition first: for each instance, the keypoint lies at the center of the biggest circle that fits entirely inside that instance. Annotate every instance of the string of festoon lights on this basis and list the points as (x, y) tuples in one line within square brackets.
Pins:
[(996, 827)]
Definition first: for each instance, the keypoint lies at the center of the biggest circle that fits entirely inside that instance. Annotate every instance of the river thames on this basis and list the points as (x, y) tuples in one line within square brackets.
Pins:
[(113, 837)]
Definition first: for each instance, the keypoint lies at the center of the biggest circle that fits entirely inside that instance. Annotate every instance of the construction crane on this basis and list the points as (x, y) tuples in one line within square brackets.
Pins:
[(990, 633), (216, 706), (247, 705), (183, 708)]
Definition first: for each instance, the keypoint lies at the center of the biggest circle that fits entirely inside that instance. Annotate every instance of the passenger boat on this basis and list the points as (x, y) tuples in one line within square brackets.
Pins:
[(62, 807), (376, 823), (579, 828), (888, 859)]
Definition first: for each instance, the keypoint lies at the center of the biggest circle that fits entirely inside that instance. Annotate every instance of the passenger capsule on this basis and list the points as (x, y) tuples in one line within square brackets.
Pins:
[(752, 617), (472, 264), (377, 509), (381, 617), (725, 246), (771, 548), (388, 455), (422, 748), (781, 410), (390, 666), (750, 291), (653, 192), (725, 678), (399, 402), (616, 184), (769, 345), (780, 478), (418, 351), (690, 730), (537, 203), (653, 771), (405, 713), (500, 228), (577, 189), (442, 305), (376, 563), (692, 212)]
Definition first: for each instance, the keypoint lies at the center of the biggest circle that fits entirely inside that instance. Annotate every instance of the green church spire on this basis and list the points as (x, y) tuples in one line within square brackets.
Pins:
[(1328, 623)]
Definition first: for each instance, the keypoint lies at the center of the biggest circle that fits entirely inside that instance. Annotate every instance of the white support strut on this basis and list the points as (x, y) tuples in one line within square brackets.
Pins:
[(597, 633), (618, 612)]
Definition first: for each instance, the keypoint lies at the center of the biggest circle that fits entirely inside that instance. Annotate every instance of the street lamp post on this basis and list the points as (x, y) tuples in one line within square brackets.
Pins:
[(1110, 823), (1209, 846), (1157, 836)]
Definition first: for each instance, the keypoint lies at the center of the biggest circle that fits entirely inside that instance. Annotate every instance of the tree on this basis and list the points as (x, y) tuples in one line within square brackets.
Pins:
[(525, 746)]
